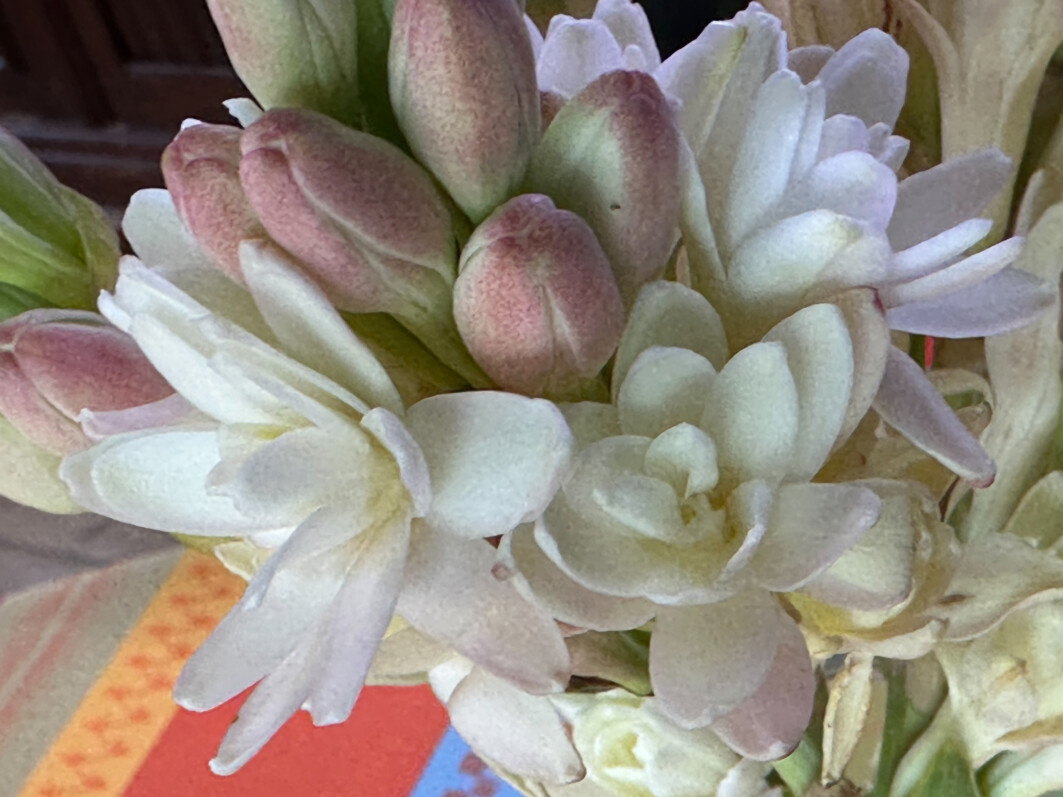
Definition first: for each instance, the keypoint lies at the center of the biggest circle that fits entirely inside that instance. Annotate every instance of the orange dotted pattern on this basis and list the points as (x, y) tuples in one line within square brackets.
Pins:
[(127, 709)]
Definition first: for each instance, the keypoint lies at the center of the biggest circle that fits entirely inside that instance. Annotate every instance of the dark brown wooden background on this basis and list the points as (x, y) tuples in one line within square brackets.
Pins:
[(98, 87)]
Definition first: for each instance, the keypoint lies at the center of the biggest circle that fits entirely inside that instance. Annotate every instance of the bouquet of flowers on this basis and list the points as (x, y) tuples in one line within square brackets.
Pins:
[(687, 428)]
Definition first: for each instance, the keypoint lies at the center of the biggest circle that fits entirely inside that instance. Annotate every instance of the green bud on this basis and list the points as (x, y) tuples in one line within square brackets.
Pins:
[(54, 242)]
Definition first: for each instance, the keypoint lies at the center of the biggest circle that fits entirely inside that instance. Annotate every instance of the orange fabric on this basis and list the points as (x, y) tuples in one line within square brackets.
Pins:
[(130, 706)]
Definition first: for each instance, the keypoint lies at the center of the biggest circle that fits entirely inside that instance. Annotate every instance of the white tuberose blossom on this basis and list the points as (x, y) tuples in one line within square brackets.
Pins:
[(311, 450)]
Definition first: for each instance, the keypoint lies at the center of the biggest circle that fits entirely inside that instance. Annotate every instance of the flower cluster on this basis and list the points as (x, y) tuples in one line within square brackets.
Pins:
[(577, 383)]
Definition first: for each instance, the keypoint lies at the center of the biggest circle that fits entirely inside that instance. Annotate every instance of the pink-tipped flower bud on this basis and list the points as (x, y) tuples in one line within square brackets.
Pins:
[(612, 155), (202, 171), (535, 299), (462, 81), (56, 363), (368, 223)]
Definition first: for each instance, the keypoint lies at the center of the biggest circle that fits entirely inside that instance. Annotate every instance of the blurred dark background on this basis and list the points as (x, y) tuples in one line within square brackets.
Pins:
[(98, 87)]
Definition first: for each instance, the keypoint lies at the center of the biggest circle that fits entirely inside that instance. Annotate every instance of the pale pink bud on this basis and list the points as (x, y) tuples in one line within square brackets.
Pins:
[(56, 363), (535, 299), (461, 75), (612, 155), (202, 171), (367, 222)]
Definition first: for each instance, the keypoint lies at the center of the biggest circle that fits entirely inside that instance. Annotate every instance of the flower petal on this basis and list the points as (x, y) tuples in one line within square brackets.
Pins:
[(935, 200), (706, 660), (495, 459), (752, 414), (522, 733), (670, 314), (451, 594), (157, 234), (157, 479), (309, 328), (566, 600), (811, 526), (630, 26), (908, 402), (867, 77), (769, 724), (664, 387), (966, 273), (575, 53), (1007, 301), (820, 356)]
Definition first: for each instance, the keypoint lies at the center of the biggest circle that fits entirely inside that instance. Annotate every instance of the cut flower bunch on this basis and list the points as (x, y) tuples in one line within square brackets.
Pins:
[(686, 427)]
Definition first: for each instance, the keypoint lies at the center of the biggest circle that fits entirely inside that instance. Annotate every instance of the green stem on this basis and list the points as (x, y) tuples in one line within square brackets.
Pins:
[(800, 769)]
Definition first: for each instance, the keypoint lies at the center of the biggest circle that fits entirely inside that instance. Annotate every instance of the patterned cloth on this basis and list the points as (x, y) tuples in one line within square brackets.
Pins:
[(86, 669)]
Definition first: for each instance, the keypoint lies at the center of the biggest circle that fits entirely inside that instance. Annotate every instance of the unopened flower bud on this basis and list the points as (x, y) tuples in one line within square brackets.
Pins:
[(364, 219), (54, 243), (56, 363), (294, 53), (535, 300), (202, 171), (462, 81), (612, 156)]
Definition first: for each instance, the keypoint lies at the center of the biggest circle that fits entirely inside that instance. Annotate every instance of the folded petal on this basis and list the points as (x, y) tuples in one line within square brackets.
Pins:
[(495, 459), (820, 355), (451, 594), (664, 387), (522, 733), (811, 526), (670, 314), (705, 661), (157, 479), (566, 600), (926, 256), (966, 273), (630, 26), (753, 414), (1007, 301), (852, 184), (908, 402), (768, 725)]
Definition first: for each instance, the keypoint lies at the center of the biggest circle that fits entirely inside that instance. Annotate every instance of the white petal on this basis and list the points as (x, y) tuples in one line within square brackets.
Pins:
[(664, 387), (870, 336), (966, 273), (769, 724), (1005, 302), (451, 594), (156, 479), (753, 414), (811, 526), (309, 328), (684, 457), (534, 36), (935, 200), (852, 184), (157, 234), (706, 660), (590, 422), (495, 459), (413, 469), (173, 410), (670, 314), (575, 53), (566, 600), (765, 162), (288, 478), (630, 26), (525, 735), (998, 574), (909, 403), (244, 110), (807, 61), (842, 133), (867, 77), (262, 630), (820, 356), (361, 614), (931, 254)]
